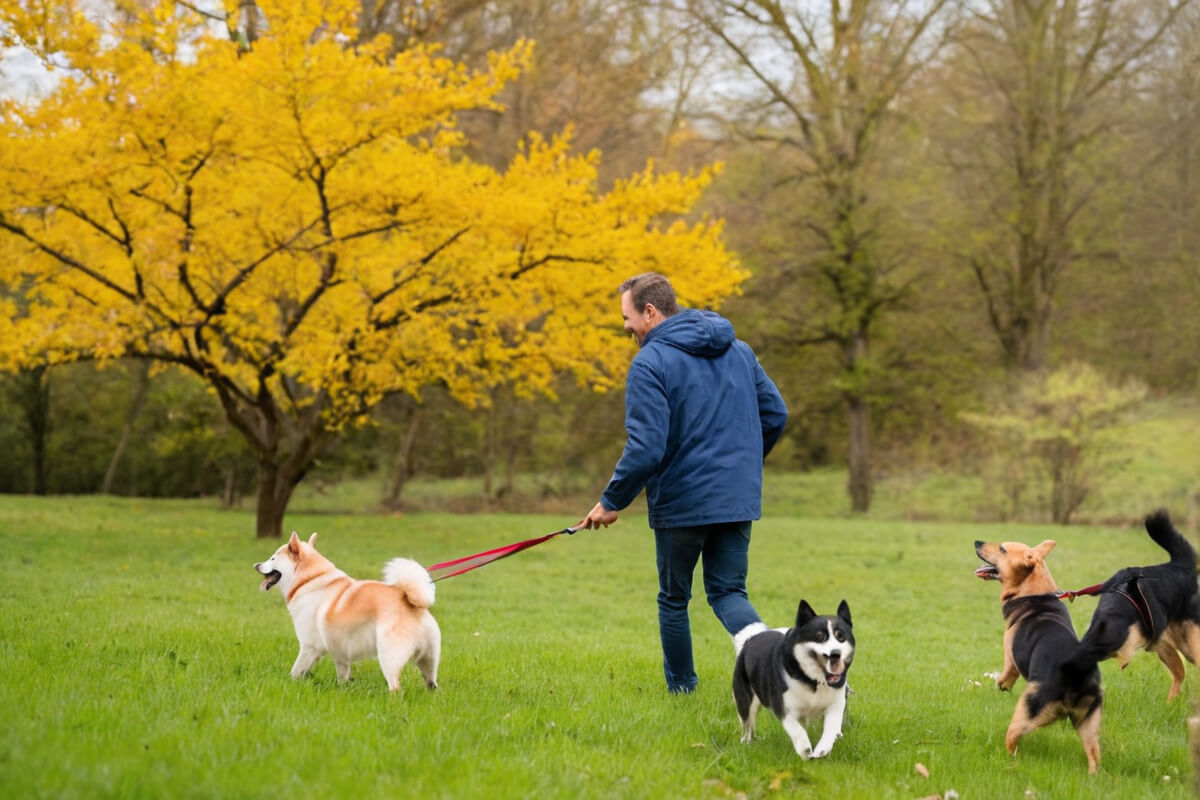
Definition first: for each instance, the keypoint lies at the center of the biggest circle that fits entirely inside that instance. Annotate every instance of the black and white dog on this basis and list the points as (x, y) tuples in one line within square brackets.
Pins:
[(799, 673)]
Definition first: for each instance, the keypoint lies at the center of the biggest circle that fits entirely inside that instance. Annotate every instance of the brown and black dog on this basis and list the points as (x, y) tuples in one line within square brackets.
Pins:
[(1155, 607), (1038, 639)]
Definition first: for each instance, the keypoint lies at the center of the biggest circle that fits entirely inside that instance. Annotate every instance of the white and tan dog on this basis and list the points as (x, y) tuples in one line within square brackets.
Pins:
[(353, 620)]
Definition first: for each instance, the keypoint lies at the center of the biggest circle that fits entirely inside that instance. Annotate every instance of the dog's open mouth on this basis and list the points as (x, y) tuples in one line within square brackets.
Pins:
[(271, 579), (988, 572), (835, 681)]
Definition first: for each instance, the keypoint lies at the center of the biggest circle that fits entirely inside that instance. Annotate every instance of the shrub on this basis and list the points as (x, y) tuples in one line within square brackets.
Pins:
[(1048, 428)]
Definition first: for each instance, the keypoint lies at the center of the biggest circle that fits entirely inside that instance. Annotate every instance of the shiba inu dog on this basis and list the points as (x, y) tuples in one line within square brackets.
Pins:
[(354, 620), (1156, 608), (1038, 640), (799, 673)]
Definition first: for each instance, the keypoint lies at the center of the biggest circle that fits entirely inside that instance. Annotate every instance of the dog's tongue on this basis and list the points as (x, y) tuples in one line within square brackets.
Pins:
[(987, 572), (269, 581)]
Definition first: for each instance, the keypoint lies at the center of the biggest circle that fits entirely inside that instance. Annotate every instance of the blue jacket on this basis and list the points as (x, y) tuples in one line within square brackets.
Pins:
[(700, 417)]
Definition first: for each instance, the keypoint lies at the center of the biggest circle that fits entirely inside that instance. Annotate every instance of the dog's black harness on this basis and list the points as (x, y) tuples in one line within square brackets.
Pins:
[(1131, 590)]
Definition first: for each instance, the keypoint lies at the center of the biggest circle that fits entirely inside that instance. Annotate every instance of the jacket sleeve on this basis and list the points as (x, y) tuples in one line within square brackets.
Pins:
[(772, 411), (647, 422)]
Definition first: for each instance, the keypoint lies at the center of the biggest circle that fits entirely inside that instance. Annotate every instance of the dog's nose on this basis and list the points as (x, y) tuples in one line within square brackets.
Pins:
[(835, 655), (978, 544)]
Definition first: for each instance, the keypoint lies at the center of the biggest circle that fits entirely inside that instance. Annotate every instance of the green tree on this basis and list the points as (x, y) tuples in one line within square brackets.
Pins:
[(830, 75), (1034, 91)]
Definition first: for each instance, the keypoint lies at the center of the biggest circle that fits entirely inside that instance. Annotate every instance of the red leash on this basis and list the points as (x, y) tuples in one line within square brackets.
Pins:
[(1090, 590), (468, 563)]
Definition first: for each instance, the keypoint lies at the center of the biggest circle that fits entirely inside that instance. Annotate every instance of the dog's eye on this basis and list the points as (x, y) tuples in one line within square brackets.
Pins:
[(1003, 552), (841, 637), (820, 636)]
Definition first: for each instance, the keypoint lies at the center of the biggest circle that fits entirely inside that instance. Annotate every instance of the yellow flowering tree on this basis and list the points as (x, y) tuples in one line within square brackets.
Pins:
[(291, 218)]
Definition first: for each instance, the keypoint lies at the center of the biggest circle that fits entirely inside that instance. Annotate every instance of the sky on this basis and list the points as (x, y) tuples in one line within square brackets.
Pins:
[(21, 75)]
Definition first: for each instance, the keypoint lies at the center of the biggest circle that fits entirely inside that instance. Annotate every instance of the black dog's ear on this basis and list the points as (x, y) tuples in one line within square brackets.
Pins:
[(804, 613), (844, 612)]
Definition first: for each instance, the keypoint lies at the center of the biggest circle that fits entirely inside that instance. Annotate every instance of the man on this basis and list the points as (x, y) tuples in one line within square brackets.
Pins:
[(700, 416)]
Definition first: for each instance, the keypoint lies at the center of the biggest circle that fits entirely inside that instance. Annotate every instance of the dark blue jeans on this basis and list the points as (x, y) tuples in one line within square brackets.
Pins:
[(724, 548)]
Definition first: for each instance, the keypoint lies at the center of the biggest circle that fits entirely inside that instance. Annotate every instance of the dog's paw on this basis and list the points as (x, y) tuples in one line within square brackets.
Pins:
[(804, 751), (1002, 683), (747, 738), (822, 750)]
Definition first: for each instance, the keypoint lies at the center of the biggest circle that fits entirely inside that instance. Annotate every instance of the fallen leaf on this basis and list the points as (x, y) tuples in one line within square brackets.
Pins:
[(921, 770)]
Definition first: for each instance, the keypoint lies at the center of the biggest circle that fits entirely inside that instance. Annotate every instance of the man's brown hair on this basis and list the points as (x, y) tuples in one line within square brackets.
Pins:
[(650, 288)]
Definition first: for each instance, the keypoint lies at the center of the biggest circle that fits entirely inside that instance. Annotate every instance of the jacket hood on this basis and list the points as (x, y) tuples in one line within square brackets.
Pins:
[(701, 333)]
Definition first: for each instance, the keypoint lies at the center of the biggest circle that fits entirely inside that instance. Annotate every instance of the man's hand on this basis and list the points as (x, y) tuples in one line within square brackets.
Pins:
[(598, 517)]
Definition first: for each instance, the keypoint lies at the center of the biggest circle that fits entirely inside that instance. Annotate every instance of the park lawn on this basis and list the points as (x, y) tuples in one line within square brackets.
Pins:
[(139, 659)]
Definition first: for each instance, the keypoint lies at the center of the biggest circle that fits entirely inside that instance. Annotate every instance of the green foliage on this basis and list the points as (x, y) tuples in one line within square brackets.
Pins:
[(180, 446), (1049, 427), (140, 660), (1160, 458), (16, 471)]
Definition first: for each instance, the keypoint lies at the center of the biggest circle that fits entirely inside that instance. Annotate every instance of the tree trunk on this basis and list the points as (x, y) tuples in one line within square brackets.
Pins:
[(285, 447), (860, 454), (402, 467), (140, 390), (854, 355), (229, 495), (275, 487), (489, 448), (35, 400), (512, 453)]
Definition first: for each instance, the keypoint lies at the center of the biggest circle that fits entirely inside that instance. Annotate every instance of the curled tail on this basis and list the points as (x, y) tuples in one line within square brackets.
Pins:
[(1159, 526), (411, 578)]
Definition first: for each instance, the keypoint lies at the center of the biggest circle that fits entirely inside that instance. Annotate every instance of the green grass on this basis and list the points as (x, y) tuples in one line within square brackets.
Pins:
[(139, 659)]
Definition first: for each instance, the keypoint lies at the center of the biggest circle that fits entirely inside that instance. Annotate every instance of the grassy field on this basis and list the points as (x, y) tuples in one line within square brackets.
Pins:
[(139, 659)]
